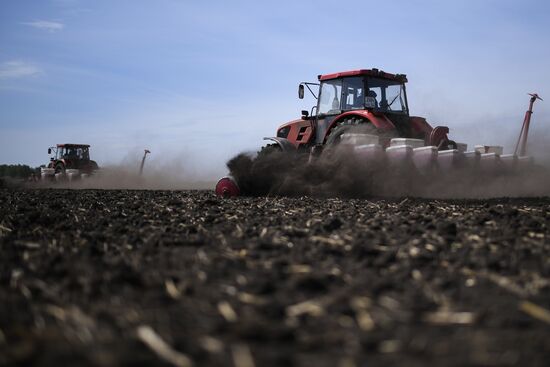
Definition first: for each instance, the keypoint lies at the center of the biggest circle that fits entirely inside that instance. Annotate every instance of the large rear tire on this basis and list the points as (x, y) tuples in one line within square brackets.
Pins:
[(347, 125), (60, 172), (60, 168)]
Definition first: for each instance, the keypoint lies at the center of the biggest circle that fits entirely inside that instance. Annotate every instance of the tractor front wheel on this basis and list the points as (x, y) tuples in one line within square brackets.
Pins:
[(268, 150)]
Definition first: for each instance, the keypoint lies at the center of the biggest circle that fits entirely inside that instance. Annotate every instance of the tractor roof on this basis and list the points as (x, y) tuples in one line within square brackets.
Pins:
[(369, 72), (73, 145)]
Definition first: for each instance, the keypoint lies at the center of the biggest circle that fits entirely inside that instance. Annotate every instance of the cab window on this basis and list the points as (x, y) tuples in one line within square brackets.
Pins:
[(353, 97), (330, 97)]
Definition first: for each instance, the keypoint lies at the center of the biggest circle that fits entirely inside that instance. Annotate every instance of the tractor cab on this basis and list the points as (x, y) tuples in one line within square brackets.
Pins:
[(75, 152), (71, 156), (371, 90)]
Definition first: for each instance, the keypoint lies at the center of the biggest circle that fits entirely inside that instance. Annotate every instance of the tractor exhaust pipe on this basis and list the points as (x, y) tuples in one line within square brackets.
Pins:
[(227, 187), (143, 161), (521, 145)]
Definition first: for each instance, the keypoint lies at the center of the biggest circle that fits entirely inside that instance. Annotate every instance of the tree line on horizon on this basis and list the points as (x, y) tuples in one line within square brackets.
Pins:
[(17, 170)]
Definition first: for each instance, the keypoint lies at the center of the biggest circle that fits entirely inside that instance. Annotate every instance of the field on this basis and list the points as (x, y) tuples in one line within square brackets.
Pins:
[(123, 277)]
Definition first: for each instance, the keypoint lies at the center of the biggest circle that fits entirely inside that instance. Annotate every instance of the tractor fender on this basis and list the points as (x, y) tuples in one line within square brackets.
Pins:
[(284, 144), (380, 121)]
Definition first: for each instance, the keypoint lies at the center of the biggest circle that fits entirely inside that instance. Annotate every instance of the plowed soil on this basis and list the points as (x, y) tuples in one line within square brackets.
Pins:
[(110, 278)]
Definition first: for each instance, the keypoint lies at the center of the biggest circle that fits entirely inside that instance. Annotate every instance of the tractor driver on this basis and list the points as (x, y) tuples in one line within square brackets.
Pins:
[(373, 96)]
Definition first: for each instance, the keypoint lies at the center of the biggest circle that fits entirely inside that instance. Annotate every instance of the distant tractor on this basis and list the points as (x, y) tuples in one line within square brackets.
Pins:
[(70, 161)]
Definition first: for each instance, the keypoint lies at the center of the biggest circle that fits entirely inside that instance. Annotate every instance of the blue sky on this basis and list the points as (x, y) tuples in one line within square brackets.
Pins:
[(202, 80)]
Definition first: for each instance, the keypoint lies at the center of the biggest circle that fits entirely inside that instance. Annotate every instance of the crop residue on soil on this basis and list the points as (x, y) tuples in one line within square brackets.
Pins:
[(108, 278)]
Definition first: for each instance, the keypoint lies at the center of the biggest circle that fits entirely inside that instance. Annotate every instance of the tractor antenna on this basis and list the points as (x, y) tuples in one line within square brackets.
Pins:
[(146, 151), (522, 139)]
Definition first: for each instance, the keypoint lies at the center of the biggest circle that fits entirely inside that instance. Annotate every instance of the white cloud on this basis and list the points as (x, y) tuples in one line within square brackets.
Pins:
[(17, 69), (46, 25)]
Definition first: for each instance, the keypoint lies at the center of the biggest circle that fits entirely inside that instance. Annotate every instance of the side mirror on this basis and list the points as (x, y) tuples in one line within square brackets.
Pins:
[(49, 150), (301, 91), (305, 114)]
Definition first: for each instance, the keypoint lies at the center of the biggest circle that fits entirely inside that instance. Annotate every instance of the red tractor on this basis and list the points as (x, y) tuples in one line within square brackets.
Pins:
[(368, 109), (367, 98), (71, 160), (368, 101)]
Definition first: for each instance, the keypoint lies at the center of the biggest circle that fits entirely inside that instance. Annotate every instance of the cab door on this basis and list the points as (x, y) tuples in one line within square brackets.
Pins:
[(328, 107)]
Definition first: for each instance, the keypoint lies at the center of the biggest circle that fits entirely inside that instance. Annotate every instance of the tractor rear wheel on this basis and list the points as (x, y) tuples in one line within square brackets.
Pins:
[(347, 125), (59, 168)]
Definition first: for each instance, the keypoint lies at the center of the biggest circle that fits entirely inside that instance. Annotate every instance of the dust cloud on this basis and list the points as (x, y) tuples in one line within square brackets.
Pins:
[(160, 172), (128, 177), (340, 173), (335, 173)]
